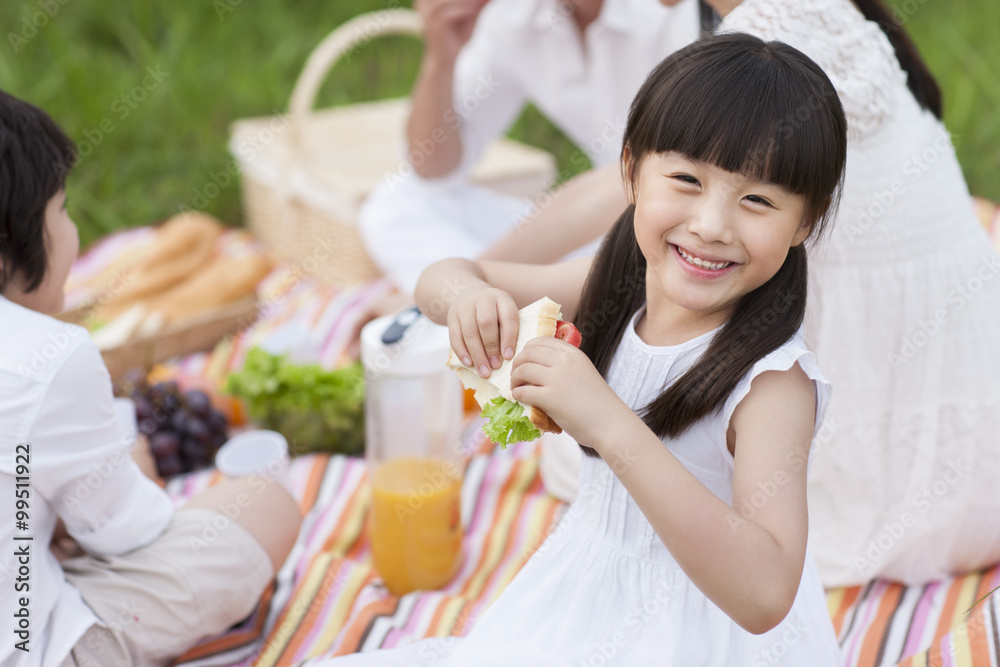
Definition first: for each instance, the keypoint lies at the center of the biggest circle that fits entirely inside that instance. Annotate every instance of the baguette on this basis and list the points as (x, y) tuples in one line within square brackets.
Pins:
[(170, 240), (225, 280), (534, 320), (182, 245)]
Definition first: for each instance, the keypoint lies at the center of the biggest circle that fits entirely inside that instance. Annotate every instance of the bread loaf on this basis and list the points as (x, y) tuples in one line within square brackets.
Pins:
[(182, 245), (225, 280)]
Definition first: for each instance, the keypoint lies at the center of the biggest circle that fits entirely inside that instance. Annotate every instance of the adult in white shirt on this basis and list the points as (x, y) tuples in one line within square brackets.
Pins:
[(152, 581), (579, 61), (903, 315)]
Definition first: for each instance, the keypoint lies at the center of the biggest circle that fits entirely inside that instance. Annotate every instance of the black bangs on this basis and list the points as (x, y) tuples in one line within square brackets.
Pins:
[(763, 110)]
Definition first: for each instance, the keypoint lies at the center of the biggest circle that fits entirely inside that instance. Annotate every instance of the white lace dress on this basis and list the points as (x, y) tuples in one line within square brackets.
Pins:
[(604, 590), (904, 318)]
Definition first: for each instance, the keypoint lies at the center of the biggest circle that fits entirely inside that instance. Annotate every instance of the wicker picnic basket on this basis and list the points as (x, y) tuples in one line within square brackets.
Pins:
[(304, 175)]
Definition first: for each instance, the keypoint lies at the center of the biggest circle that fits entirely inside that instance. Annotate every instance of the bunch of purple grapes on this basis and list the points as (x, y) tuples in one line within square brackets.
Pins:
[(183, 428)]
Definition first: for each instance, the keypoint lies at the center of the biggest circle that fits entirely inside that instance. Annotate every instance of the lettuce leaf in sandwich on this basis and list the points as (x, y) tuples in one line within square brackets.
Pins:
[(511, 421), (508, 423)]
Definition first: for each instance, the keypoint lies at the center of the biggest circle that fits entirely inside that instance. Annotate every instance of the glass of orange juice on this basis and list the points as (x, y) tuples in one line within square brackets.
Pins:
[(416, 523), (413, 423)]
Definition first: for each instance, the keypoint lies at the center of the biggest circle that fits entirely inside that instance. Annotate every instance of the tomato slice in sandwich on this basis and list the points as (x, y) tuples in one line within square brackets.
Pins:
[(568, 332)]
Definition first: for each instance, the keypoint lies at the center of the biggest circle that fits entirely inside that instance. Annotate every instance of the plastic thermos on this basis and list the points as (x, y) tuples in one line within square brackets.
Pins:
[(413, 428)]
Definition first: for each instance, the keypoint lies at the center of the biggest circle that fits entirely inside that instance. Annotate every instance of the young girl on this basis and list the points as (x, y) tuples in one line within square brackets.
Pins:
[(693, 393)]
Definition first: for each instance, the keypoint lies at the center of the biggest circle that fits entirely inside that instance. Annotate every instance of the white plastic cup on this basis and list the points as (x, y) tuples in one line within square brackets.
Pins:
[(260, 452)]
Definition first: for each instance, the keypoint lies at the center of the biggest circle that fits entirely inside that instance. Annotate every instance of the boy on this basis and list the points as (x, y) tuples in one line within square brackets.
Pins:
[(149, 584)]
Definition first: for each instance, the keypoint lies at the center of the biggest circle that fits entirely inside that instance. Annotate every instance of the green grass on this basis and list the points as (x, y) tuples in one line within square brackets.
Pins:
[(229, 59), (961, 43)]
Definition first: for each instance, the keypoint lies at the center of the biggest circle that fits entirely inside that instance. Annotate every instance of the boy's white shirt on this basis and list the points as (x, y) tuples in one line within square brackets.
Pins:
[(55, 395)]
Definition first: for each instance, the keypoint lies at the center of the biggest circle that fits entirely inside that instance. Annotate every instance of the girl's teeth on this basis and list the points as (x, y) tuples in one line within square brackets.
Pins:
[(701, 263)]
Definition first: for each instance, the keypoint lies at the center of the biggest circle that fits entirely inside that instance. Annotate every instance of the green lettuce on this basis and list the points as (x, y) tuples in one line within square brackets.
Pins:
[(315, 409), (508, 423)]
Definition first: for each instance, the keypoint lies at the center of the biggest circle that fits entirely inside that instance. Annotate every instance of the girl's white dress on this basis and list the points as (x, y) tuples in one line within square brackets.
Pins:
[(904, 318), (604, 590)]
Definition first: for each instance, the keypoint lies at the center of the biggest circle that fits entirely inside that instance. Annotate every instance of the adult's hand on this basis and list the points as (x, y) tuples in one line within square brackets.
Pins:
[(448, 25)]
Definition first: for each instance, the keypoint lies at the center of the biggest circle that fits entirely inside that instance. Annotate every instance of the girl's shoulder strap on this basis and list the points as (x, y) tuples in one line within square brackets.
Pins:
[(793, 351), (854, 53)]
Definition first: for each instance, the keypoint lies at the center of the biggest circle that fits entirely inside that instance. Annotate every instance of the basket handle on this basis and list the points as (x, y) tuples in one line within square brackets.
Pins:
[(350, 34)]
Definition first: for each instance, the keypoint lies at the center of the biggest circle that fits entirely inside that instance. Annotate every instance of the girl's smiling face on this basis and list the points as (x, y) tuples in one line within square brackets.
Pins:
[(709, 236)]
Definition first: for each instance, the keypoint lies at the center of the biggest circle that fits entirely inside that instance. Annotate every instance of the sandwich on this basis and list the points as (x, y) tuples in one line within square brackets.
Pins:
[(511, 421)]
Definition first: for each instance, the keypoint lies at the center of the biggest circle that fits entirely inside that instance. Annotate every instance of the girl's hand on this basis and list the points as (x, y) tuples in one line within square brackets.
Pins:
[(483, 326), (558, 378)]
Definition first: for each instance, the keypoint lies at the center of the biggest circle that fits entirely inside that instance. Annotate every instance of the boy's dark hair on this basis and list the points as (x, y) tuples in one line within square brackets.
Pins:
[(35, 158), (760, 109)]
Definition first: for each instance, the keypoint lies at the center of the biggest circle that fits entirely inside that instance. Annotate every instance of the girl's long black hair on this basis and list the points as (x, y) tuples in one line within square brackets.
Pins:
[(918, 77), (760, 109)]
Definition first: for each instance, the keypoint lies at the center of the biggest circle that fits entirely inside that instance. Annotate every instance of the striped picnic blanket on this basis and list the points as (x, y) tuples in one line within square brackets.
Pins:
[(885, 623), (333, 603)]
